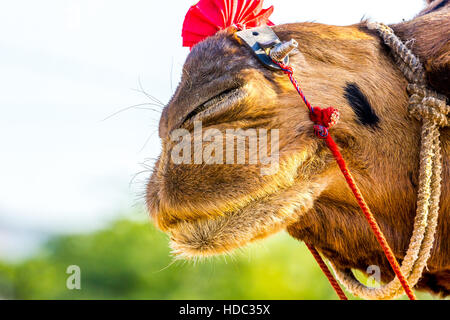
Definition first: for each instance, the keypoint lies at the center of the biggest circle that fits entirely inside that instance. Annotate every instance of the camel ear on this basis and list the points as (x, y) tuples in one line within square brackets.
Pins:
[(433, 36)]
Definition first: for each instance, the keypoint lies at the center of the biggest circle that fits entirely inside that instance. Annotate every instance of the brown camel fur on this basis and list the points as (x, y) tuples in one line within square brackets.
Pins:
[(213, 208)]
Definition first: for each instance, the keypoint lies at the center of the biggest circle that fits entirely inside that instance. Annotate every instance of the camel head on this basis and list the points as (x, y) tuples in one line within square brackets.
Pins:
[(212, 193)]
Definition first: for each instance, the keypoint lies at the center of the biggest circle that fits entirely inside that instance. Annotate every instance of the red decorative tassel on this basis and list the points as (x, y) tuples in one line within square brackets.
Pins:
[(209, 16), (327, 117)]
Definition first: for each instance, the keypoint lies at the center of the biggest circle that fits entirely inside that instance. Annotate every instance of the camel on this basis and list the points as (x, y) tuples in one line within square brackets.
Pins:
[(213, 208)]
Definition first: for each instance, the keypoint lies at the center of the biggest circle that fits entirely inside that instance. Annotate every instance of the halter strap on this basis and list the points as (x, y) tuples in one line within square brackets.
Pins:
[(431, 108)]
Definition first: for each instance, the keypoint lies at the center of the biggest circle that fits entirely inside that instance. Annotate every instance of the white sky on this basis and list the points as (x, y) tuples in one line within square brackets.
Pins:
[(67, 64)]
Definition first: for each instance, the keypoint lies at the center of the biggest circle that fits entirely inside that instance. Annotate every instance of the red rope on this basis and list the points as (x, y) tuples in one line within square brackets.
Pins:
[(327, 272), (323, 119)]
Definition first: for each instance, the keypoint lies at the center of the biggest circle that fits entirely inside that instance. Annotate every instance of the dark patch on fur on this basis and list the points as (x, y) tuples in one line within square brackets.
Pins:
[(361, 105)]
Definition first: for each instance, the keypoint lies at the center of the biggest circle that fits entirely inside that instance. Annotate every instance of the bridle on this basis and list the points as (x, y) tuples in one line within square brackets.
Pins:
[(424, 104)]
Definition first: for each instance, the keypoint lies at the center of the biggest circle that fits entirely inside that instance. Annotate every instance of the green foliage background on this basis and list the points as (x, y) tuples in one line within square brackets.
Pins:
[(131, 260)]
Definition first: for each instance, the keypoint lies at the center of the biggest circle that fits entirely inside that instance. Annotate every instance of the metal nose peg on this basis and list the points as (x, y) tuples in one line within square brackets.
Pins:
[(281, 50)]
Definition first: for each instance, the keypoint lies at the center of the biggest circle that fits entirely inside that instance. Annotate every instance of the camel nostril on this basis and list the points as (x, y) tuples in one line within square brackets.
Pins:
[(216, 103)]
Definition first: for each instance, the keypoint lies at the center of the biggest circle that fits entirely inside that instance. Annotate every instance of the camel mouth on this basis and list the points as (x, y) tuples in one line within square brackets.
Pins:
[(257, 219), (215, 214)]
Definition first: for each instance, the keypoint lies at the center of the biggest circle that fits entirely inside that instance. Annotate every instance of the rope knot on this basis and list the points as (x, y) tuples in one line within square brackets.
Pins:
[(286, 68), (320, 131), (323, 120), (427, 104)]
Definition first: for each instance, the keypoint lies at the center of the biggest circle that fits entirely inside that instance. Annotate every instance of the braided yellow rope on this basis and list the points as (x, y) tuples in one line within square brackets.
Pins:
[(432, 109)]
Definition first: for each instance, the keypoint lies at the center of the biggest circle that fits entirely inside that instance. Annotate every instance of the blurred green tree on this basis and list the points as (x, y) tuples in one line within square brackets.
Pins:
[(131, 260)]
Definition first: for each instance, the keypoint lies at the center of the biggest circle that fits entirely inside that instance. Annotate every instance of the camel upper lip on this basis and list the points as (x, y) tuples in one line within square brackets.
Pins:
[(215, 104)]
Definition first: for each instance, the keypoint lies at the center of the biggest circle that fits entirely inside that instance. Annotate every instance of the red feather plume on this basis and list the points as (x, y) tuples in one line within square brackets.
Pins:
[(209, 16)]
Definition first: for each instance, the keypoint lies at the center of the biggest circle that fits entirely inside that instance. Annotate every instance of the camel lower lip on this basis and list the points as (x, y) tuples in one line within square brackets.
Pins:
[(208, 237)]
